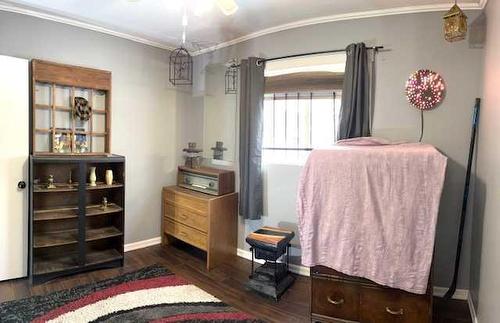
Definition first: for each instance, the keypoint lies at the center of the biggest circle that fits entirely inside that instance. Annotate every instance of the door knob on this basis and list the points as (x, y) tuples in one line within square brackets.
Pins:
[(21, 185)]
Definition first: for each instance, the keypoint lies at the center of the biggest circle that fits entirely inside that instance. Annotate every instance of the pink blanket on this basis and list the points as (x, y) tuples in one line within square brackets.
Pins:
[(369, 208)]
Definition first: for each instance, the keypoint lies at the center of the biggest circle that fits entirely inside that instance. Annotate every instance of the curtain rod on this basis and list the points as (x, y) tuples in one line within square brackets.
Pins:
[(375, 48)]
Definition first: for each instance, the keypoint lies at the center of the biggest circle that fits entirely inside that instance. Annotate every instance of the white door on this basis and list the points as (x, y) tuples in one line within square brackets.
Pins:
[(14, 151)]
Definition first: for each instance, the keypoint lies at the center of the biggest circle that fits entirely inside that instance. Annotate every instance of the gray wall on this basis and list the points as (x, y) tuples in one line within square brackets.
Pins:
[(485, 283), (145, 107), (412, 41)]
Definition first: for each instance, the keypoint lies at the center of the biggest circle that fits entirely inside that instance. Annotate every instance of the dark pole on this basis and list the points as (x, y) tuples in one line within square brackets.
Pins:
[(263, 60), (475, 120), (375, 48)]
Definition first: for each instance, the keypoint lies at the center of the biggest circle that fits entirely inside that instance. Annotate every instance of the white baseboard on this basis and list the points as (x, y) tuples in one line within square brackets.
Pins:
[(142, 244), (472, 309), (461, 294)]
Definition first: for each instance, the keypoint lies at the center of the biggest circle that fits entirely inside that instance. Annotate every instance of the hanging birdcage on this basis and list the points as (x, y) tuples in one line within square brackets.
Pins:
[(455, 24), (181, 67), (231, 79)]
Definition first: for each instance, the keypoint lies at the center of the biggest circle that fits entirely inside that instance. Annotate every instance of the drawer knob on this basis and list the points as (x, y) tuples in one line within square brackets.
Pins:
[(392, 312), (335, 301)]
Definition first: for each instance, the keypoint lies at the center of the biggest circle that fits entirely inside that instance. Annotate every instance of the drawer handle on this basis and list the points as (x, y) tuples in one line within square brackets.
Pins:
[(334, 301), (392, 312)]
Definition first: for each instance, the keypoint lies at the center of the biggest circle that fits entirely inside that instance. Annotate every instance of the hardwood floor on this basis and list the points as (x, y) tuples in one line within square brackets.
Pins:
[(225, 282)]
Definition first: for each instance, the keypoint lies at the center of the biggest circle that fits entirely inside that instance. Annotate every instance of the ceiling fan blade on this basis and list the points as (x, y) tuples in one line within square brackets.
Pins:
[(228, 7)]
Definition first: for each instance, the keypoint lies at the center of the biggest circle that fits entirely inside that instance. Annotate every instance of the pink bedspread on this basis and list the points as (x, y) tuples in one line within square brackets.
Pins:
[(369, 208)]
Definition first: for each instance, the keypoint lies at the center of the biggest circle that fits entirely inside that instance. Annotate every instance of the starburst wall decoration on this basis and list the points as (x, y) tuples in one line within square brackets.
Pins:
[(425, 89)]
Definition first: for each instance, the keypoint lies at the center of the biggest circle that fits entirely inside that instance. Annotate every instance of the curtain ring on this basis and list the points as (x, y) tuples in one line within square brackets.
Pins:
[(259, 62)]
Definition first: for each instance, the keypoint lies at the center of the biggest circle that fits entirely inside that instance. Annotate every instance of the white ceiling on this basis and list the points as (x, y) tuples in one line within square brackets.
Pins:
[(158, 22)]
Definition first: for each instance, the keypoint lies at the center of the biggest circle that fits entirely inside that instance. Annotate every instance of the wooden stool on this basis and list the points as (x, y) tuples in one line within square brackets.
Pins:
[(272, 278)]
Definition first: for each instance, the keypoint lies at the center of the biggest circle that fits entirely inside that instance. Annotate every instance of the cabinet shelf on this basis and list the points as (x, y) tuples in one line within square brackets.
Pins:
[(62, 187), (95, 257), (94, 210), (102, 233), (55, 214), (51, 264), (64, 213), (103, 186), (55, 238), (66, 237)]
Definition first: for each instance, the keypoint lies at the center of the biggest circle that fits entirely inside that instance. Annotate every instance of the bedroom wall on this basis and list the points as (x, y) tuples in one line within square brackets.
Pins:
[(412, 41), (485, 265), (145, 106)]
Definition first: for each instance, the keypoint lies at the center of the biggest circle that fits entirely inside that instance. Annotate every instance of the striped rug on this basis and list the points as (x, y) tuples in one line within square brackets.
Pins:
[(152, 294)]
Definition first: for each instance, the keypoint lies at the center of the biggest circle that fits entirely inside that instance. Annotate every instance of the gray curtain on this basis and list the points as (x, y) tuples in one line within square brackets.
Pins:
[(355, 109), (251, 105)]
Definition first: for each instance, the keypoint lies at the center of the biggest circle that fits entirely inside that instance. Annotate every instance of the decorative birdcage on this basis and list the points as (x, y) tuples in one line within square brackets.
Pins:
[(181, 67), (231, 79), (455, 24)]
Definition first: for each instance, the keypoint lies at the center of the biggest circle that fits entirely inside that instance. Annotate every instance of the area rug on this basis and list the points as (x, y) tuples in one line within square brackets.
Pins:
[(152, 294)]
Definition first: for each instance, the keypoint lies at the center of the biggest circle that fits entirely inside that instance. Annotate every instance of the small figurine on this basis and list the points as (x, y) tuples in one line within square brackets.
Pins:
[(219, 150), (50, 182), (104, 203), (193, 155), (70, 181)]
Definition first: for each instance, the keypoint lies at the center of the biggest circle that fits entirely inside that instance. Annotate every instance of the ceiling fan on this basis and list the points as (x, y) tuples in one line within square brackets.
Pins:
[(228, 7)]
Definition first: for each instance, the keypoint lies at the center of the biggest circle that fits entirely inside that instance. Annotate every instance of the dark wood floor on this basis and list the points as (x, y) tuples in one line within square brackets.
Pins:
[(225, 282)]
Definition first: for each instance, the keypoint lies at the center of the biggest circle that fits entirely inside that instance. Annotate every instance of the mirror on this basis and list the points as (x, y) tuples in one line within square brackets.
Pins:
[(220, 113)]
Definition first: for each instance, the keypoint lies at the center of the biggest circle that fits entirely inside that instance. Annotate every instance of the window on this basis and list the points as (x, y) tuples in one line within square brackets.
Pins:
[(301, 106), (295, 123)]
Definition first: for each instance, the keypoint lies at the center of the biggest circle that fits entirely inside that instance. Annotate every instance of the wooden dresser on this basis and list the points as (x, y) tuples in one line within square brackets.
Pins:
[(336, 297), (204, 221)]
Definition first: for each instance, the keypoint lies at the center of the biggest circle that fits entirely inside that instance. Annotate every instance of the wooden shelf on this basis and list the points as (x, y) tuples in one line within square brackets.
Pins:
[(103, 186), (102, 233), (60, 187), (93, 210), (55, 263), (95, 257), (66, 237), (55, 238), (55, 214), (72, 212)]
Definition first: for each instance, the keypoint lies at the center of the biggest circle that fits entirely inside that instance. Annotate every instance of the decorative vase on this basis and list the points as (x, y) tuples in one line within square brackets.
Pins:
[(92, 177), (109, 177)]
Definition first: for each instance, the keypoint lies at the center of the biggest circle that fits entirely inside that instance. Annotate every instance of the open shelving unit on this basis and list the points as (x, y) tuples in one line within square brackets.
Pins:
[(70, 229)]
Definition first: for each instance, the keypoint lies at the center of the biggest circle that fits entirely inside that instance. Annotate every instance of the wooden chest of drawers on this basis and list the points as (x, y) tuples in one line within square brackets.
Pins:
[(204, 221), (336, 297)]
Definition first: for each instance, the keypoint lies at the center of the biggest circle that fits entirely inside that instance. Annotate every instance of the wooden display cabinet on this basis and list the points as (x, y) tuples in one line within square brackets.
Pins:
[(55, 128), (70, 230)]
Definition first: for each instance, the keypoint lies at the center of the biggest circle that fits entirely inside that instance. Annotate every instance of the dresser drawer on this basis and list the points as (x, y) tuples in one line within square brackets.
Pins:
[(335, 299), (185, 233), (389, 305), (185, 216), (187, 201)]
